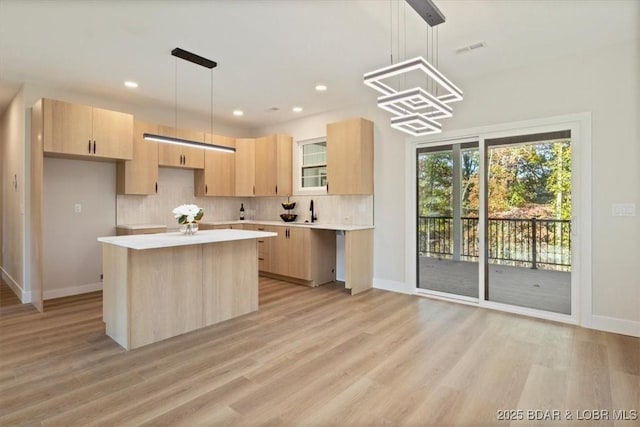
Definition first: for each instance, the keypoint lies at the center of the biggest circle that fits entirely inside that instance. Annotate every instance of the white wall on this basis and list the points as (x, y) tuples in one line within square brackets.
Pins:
[(13, 195), (603, 82), (72, 257)]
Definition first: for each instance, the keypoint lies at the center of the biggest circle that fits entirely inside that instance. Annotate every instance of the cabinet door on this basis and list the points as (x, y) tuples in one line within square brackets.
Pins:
[(284, 165), (245, 167), (298, 252), (140, 175), (266, 166), (350, 157), (279, 251), (67, 128), (193, 157), (112, 134), (219, 175), (179, 156)]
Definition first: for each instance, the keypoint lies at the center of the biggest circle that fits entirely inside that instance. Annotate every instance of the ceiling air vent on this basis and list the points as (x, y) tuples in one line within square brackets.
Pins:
[(471, 47)]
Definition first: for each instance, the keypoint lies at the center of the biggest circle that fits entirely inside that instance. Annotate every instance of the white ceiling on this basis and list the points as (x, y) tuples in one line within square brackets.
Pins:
[(271, 53)]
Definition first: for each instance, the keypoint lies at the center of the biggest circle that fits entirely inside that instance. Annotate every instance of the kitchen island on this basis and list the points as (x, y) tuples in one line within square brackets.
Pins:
[(157, 286)]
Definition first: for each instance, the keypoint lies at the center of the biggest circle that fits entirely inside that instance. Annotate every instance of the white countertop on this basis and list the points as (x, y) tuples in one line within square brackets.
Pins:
[(167, 240), (336, 227)]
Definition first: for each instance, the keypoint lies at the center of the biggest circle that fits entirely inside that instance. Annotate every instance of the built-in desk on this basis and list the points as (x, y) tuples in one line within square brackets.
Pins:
[(157, 286), (358, 248)]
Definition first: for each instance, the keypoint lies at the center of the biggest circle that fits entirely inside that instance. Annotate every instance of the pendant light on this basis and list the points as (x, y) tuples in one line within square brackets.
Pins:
[(416, 110), (204, 62)]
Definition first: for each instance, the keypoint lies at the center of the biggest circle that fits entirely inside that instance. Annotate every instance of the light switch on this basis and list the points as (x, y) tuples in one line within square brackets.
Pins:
[(77, 208), (623, 209)]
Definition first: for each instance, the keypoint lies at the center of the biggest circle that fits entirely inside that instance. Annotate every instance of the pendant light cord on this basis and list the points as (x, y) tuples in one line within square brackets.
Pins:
[(212, 105), (175, 118)]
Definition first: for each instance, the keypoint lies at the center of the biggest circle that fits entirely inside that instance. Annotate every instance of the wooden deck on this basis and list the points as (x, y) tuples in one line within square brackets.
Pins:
[(524, 287), (312, 357)]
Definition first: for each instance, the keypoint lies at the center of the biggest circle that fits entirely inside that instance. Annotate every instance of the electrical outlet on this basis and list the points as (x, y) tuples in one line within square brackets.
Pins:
[(77, 208), (623, 209)]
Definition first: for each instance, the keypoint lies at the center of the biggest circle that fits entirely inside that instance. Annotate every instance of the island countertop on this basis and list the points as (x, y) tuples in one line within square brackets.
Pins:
[(167, 240)]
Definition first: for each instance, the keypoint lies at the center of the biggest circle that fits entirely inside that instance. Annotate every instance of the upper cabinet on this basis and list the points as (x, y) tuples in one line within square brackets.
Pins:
[(273, 165), (81, 130), (219, 175), (180, 156), (350, 157), (245, 167), (140, 175)]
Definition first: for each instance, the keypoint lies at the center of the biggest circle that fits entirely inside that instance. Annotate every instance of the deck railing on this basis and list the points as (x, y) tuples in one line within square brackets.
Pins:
[(532, 242)]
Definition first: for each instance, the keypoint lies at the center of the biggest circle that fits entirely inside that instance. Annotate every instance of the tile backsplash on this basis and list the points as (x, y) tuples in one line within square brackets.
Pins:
[(175, 187)]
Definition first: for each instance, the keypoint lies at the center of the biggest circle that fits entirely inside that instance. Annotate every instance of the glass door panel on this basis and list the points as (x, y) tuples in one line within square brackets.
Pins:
[(447, 227), (528, 225)]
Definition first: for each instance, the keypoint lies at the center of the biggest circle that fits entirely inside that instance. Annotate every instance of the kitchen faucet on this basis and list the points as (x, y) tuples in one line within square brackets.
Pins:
[(313, 215)]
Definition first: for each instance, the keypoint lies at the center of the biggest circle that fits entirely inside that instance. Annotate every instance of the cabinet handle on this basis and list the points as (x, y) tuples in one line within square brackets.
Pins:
[(94, 147), (276, 189), (156, 187), (260, 259), (254, 190), (89, 146), (184, 159), (260, 229), (206, 189), (327, 186)]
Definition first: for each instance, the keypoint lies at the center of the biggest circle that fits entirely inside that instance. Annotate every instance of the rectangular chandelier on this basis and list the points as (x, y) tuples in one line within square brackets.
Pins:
[(416, 110)]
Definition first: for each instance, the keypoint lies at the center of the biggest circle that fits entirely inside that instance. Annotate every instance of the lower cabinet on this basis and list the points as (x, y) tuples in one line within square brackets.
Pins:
[(204, 226), (302, 255)]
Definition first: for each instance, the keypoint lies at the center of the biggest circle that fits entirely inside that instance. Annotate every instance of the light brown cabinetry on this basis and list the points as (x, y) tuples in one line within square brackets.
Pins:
[(135, 230), (245, 167), (139, 175), (307, 256), (273, 165), (82, 131), (204, 226), (179, 156), (218, 178), (350, 157)]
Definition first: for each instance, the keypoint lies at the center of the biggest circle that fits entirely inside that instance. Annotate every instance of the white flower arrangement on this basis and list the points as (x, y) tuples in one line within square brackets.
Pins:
[(186, 214)]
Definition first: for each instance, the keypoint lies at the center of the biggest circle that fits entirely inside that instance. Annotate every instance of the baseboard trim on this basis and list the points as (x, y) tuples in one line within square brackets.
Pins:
[(393, 286), (618, 326), (74, 290), (25, 297)]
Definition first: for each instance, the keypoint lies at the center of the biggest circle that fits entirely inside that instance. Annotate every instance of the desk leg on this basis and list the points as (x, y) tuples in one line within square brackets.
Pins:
[(358, 252)]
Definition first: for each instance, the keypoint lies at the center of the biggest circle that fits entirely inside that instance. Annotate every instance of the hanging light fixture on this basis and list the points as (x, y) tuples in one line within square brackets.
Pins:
[(204, 62), (416, 110)]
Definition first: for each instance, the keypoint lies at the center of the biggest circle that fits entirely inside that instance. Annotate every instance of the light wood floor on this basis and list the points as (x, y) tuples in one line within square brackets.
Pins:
[(311, 357)]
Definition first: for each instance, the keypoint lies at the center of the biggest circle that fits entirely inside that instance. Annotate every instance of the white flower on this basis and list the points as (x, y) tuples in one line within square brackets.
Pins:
[(187, 213)]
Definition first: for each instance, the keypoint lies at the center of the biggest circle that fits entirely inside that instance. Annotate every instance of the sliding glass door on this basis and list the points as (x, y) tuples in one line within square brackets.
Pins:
[(528, 221), (523, 187), (447, 234)]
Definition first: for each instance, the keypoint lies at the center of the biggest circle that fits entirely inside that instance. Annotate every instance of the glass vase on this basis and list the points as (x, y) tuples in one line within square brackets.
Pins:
[(189, 228)]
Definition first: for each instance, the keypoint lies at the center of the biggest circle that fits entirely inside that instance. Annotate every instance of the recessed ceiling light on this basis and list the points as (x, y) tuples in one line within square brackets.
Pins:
[(321, 88), (131, 84), (238, 113), (297, 109)]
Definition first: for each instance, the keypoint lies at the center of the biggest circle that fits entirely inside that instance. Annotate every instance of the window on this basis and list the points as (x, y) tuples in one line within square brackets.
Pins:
[(312, 165)]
